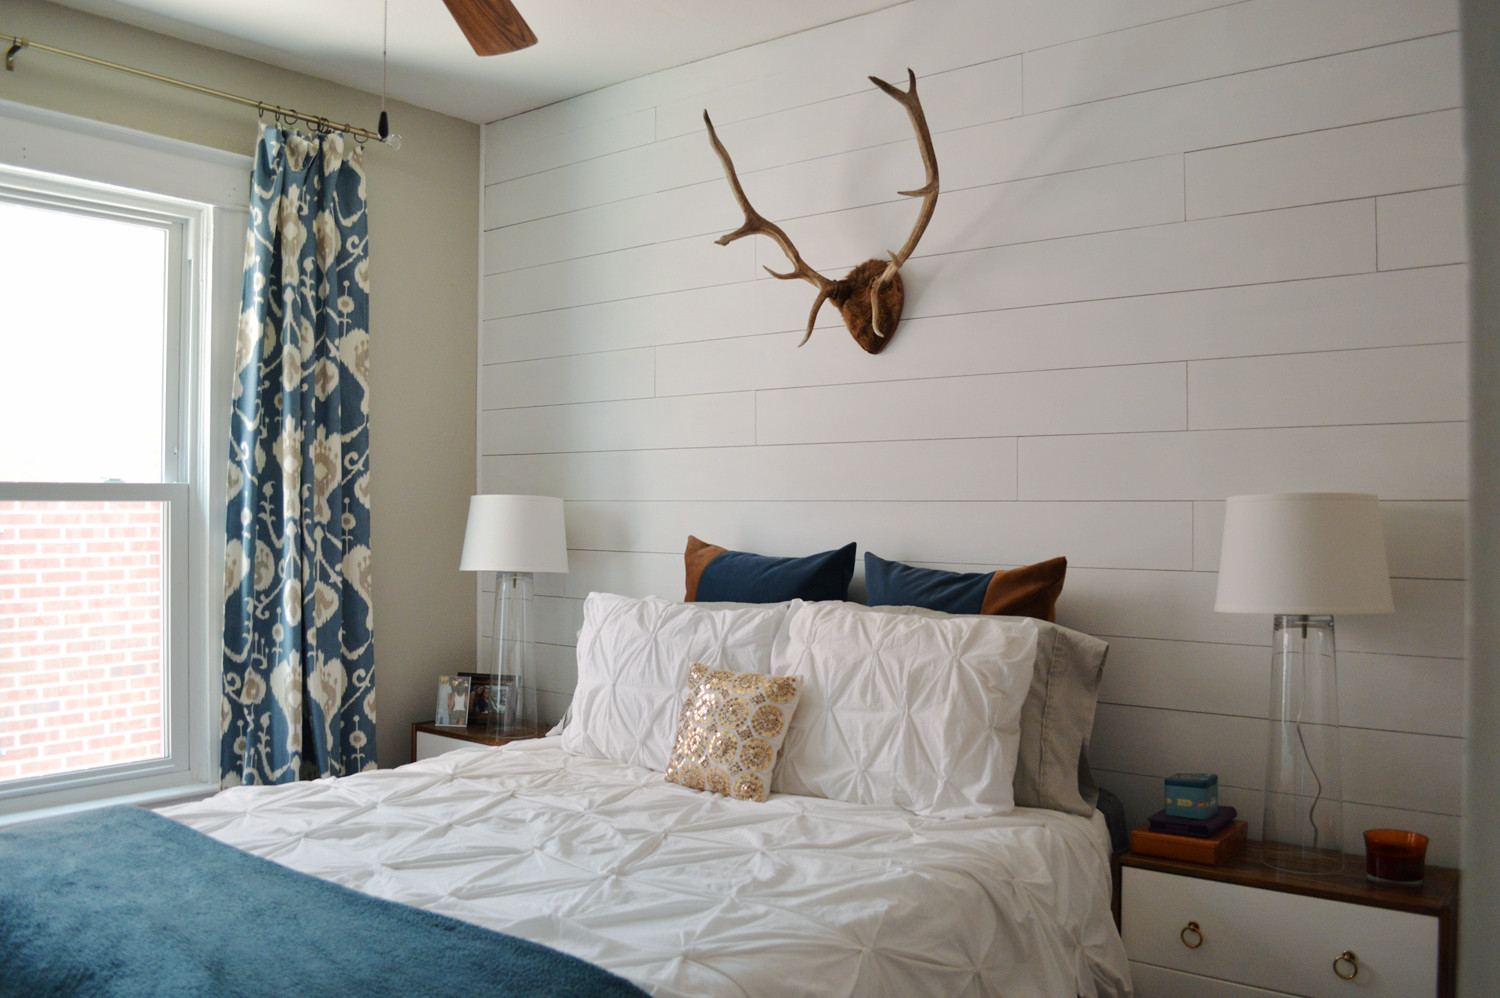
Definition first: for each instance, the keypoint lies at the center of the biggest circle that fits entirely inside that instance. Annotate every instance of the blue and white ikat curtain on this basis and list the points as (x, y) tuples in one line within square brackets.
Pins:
[(299, 680)]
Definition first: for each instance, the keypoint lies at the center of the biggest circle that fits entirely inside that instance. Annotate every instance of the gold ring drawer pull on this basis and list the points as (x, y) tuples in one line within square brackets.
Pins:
[(1192, 936), (1346, 958)]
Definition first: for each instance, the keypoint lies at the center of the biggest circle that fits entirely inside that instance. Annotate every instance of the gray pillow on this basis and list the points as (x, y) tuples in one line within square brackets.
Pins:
[(1057, 719)]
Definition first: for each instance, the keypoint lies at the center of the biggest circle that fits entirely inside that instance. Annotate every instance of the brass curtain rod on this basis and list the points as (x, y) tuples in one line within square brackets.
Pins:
[(16, 44)]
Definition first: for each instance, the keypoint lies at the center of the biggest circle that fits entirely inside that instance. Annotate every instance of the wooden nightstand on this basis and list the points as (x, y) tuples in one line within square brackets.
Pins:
[(429, 739), (1262, 933)]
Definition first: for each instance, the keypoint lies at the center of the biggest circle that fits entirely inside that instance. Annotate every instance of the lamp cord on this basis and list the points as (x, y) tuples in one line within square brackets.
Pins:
[(1318, 796), (1312, 810)]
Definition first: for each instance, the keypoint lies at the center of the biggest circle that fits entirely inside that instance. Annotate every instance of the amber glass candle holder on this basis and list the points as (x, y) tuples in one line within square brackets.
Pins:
[(1395, 857)]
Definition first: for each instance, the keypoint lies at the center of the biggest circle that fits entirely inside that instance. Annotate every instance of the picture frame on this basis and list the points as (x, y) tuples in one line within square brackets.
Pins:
[(453, 695), (492, 698)]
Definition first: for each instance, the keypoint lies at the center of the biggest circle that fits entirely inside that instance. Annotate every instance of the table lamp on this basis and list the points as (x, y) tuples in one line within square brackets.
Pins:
[(1303, 557), (515, 537)]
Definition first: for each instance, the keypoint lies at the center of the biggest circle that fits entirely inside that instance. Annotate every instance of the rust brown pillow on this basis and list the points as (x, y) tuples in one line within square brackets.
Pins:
[(1028, 591), (696, 559)]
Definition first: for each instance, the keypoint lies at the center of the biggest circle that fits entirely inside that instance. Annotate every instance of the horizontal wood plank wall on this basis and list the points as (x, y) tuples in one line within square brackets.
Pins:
[(1185, 249)]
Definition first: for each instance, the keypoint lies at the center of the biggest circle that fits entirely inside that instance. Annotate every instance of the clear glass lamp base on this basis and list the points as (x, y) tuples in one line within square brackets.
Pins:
[(513, 658), (1303, 826)]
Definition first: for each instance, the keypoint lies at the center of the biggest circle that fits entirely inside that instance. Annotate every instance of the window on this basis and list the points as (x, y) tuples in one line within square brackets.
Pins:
[(112, 460)]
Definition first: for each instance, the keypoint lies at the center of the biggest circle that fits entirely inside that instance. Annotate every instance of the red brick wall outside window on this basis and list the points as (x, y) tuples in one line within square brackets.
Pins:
[(80, 636)]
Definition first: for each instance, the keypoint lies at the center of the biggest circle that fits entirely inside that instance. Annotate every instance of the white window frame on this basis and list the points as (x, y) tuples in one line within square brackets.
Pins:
[(200, 196)]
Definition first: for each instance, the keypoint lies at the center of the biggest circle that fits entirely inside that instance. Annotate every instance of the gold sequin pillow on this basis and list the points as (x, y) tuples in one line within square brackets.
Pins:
[(731, 728)]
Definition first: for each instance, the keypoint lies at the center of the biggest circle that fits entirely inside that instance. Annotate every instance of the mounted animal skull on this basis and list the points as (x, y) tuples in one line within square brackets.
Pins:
[(870, 296)]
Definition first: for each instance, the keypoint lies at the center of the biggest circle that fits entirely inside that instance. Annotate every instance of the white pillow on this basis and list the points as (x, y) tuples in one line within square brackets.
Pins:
[(633, 662), (919, 712)]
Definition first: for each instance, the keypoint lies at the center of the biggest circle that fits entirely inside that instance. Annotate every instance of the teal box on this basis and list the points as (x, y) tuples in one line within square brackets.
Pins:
[(1193, 795)]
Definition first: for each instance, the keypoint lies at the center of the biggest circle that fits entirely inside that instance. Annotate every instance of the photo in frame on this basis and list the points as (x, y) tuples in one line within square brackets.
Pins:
[(453, 696), (490, 698)]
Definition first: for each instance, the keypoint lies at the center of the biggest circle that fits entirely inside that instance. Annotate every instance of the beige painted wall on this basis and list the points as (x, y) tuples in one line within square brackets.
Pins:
[(423, 306)]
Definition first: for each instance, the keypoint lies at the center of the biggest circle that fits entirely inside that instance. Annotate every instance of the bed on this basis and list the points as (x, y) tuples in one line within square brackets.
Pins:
[(875, 877), (687, 894)]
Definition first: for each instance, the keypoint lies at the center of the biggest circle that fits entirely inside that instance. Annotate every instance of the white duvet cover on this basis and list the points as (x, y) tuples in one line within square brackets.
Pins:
[(686, 893)]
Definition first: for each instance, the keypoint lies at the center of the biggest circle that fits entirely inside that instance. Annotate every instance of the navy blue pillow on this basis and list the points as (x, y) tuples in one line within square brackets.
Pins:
[(717, 575), (1028, 591)]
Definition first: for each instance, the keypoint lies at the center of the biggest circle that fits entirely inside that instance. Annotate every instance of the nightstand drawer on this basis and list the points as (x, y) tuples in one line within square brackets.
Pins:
[(1159, 982), (429, 744), (1278, 941)]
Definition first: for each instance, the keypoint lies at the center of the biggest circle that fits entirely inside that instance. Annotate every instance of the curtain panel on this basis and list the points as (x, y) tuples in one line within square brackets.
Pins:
[(299, 681)]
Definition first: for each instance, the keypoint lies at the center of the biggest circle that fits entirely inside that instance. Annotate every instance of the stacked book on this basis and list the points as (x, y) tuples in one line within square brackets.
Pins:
[(1214, 840)]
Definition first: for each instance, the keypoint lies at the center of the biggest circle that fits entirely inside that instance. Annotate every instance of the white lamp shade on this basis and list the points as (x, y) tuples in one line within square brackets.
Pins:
[(1311, 553), (515, 534)]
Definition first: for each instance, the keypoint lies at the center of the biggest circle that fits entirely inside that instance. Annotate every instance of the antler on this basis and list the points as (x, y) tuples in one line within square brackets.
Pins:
[(928, 192), (757, 223)]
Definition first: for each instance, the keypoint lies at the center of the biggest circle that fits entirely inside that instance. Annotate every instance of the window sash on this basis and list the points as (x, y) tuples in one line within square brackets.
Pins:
[(177, 699), (180, 225)]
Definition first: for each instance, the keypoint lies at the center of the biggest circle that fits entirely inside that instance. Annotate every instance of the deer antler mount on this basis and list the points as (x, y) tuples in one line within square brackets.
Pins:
[(870, 296)]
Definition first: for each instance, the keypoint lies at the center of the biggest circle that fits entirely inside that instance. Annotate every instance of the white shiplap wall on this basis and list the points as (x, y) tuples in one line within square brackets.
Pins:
[(1185, 249)]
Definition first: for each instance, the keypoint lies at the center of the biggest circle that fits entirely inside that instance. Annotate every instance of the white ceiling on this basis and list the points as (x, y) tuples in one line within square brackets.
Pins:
[(584, 44)]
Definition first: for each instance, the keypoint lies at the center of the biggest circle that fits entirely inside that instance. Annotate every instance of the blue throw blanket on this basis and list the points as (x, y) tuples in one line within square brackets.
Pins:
[(128, 904)]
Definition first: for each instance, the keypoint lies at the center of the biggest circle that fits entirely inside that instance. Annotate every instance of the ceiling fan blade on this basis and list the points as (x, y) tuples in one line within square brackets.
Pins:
[(493, 27)]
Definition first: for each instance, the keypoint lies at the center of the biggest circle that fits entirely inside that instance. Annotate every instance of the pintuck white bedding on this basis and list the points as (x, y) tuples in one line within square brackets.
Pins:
[(688, 893)]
